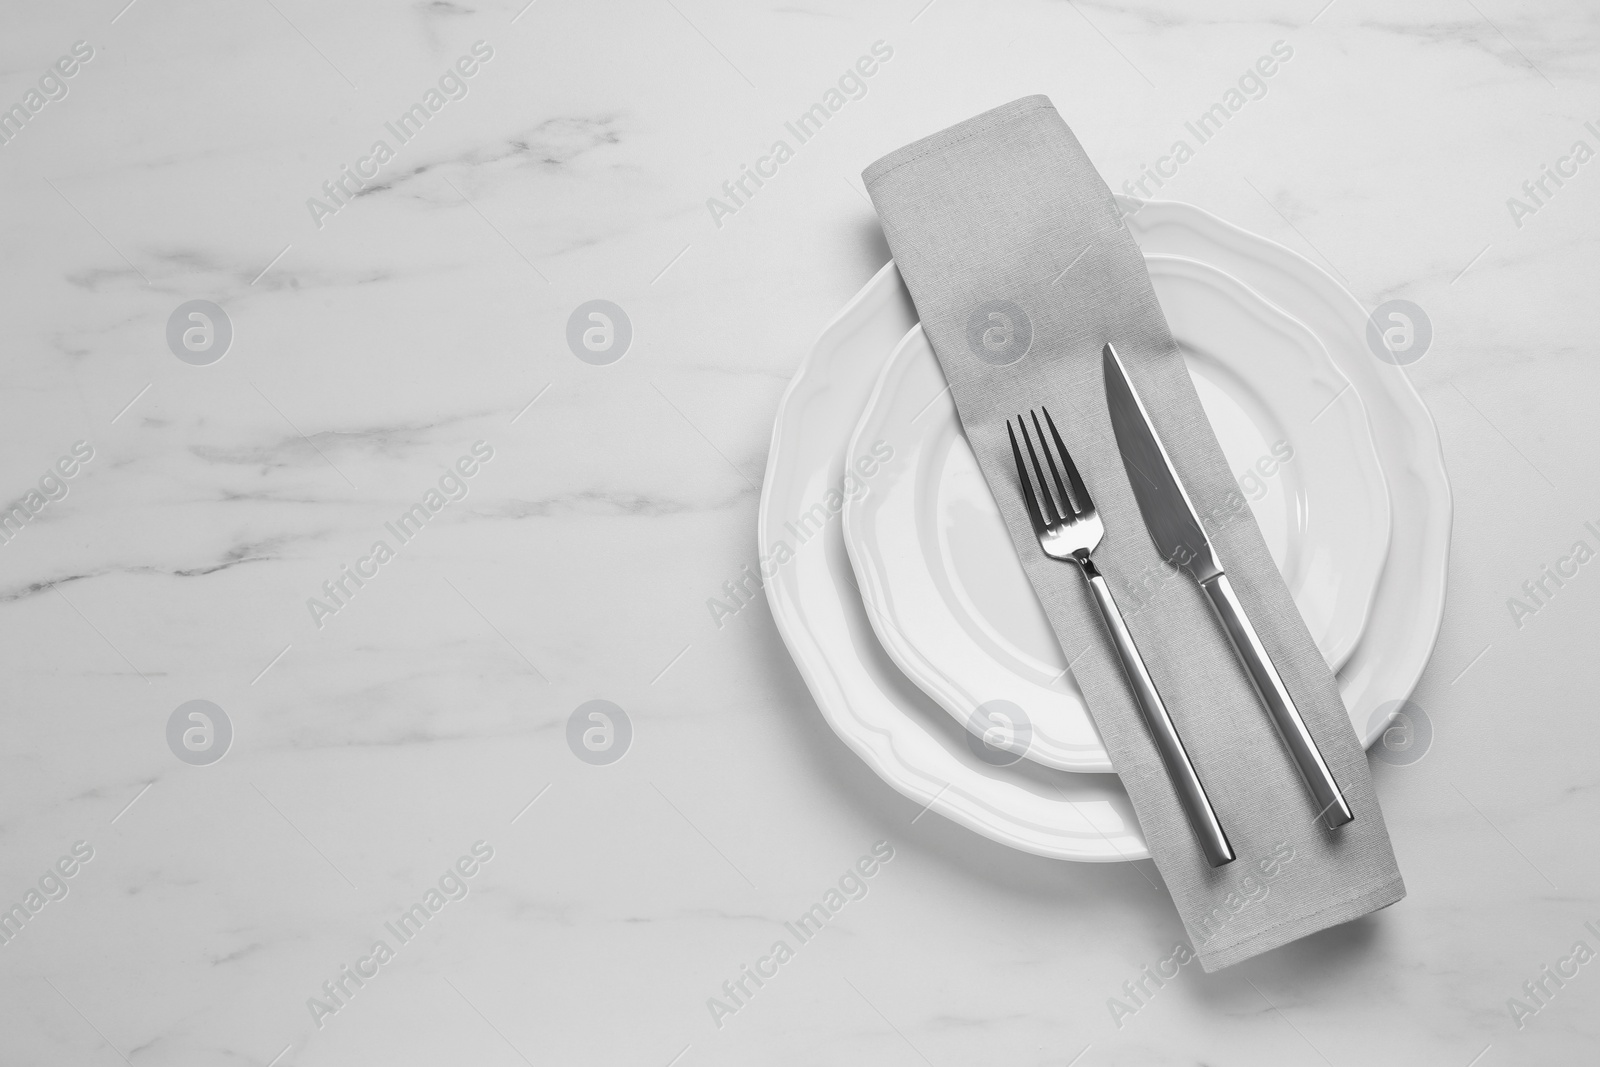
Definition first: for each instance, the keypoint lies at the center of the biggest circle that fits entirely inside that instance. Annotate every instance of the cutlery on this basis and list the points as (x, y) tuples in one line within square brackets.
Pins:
[(1175, 528), (1069, 528)]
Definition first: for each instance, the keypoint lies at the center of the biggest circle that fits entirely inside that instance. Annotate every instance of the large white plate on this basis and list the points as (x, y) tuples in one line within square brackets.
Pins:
[(913, 744), (941, 582)]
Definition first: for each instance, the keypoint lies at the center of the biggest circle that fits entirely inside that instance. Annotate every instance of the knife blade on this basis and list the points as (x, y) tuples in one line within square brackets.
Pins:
[(1175, 528)]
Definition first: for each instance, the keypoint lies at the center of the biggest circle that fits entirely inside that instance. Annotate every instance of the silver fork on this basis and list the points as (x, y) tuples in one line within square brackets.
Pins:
[(1068, 532)]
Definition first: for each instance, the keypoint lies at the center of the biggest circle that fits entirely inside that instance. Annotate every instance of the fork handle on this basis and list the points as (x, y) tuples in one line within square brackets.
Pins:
[(1274, 694), (1191, 794)]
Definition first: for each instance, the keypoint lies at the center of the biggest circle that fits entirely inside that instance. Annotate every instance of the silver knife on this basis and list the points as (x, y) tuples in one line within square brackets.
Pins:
[(1178, 535)]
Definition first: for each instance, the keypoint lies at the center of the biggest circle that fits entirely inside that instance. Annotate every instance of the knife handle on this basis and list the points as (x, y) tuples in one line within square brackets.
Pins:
[(1274, 694), (1191, 794)]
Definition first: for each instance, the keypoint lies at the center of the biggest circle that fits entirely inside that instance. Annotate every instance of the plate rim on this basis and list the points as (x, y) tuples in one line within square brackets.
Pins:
[(837, 707)]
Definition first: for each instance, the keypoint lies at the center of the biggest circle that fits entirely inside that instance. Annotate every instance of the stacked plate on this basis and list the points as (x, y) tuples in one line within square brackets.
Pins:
[(903, 603)]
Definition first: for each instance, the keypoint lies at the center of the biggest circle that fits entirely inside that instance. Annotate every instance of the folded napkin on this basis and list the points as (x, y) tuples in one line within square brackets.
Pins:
[(1005, 214)]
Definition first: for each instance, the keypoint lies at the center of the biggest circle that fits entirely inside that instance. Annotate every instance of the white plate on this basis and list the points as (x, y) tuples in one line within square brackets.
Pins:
[(941, 582), (913, 744)]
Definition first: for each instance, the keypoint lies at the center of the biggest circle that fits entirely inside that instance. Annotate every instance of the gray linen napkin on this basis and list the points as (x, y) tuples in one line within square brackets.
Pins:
[(1004, 212)]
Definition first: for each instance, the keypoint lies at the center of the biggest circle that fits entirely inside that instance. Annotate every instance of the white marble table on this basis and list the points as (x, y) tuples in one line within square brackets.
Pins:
[(424, 308)]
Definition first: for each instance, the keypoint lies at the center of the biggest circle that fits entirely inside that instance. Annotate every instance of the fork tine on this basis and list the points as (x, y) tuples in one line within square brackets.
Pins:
[(1027, 483), (1079, 491), (1050, 458), (1051, 513)]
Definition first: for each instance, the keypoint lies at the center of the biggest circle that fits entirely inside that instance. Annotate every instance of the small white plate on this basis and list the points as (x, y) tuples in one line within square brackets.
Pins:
[(941, 582), (912, 743)]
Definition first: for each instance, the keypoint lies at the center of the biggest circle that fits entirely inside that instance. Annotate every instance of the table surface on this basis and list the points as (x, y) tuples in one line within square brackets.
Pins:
[(381, 333)]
